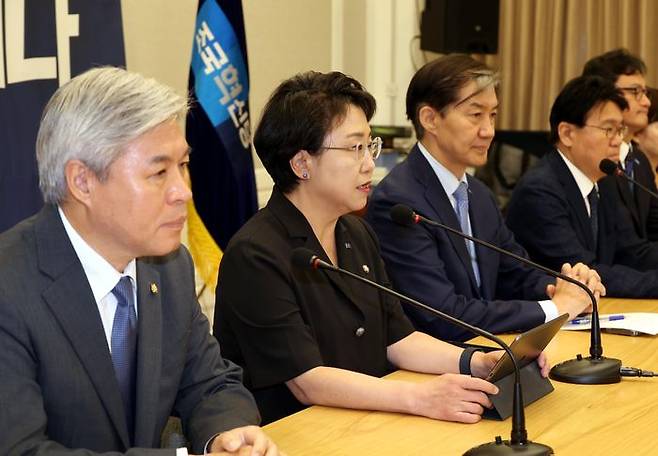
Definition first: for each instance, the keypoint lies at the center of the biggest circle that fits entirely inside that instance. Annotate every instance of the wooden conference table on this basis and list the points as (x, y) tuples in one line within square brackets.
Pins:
[(574, 420)]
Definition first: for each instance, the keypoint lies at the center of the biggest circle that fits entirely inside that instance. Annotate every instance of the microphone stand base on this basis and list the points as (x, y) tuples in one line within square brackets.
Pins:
[(503, 447), (588, 371)]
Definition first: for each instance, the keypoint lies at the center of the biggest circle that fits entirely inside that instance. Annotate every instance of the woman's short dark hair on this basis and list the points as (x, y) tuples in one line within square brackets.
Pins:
[(579, 97), (437, 84), (299, 115), (613, 64)]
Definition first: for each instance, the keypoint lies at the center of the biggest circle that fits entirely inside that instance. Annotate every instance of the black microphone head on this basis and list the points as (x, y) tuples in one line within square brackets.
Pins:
[(302, 258), (608, 166), (403, 215)]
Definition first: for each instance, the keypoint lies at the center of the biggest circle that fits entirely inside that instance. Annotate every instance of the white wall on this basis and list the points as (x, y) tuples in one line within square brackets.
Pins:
[(368, 39), (283, 38), (158, 38)]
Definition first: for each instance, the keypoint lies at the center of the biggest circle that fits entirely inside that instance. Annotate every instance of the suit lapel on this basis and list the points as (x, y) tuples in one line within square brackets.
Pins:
[(302, 234), (71, 300), (605, 248), (149, 351), (437, 198), (353, 260), (346, 260), (628, 198), (574, 197), (608, 217), (642, 198)]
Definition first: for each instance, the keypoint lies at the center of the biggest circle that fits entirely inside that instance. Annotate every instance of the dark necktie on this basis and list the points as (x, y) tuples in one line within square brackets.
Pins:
[(124, 347), (628, 168), (461, 198), (593, 199)]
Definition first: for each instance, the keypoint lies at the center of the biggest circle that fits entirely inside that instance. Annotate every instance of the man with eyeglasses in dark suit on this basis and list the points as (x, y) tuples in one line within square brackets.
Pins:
[(627, 72), (559, 211)]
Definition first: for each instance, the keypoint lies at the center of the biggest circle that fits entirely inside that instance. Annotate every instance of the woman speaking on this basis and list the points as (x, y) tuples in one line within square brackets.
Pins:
[(314, 337)]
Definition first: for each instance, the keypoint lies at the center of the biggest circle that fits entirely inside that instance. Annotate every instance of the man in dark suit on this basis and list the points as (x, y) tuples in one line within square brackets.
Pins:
[(452, 104), (559, 212), (101, 337), (627, 72)]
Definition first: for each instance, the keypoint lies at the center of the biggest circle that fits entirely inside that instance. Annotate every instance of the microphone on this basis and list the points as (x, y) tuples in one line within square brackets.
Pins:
[(613, 169), (594, 369), (610, 168), (304, 259)]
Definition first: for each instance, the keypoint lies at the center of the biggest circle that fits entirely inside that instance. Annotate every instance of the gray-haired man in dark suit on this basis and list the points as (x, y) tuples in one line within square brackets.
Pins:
[(101, 336)]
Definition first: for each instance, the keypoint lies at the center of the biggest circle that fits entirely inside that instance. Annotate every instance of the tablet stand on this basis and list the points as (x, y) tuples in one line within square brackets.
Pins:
[(534, 387)]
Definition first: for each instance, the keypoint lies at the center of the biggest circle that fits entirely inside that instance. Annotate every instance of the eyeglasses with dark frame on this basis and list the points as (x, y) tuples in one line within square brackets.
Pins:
[(374, 147), (636, 91), (610, 132)]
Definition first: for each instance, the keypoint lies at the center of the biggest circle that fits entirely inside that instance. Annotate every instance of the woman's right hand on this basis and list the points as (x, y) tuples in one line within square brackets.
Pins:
[(453, 397)]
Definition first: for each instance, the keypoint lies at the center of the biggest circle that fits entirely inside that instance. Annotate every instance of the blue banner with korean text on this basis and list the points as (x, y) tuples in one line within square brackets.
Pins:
[(218, 130), (45, 43)]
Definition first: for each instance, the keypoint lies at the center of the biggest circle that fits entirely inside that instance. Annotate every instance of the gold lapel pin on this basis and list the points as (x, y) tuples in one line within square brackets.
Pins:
[(154, 288)]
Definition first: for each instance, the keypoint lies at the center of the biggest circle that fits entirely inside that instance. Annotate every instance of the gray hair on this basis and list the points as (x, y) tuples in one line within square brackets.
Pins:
[(438, 83), (93, 117), (482, 79)]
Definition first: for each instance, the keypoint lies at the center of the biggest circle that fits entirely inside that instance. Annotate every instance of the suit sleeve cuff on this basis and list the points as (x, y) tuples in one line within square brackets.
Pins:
[(550, 310), (182, 452), (206, 449)]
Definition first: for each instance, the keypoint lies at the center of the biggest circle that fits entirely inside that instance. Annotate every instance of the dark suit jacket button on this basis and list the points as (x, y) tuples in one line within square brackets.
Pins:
[(360, 331)]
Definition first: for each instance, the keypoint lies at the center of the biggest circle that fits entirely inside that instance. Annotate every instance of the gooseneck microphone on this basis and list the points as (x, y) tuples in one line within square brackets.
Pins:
[(613, 169), (594, 369), (305, 259)]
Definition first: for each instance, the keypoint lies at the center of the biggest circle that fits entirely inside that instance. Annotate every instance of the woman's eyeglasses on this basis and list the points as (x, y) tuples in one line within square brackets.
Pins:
[(374, 147)]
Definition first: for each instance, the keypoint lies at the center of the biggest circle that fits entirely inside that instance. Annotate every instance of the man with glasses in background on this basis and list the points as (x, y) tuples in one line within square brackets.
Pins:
[(627, 72), (452, 103), (561, 213)]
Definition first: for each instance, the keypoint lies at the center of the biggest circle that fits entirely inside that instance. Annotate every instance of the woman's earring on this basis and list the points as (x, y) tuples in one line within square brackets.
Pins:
[(304, 175)]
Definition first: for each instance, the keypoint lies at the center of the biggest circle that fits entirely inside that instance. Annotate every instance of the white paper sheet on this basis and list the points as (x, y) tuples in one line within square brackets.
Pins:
[(644, 322)]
